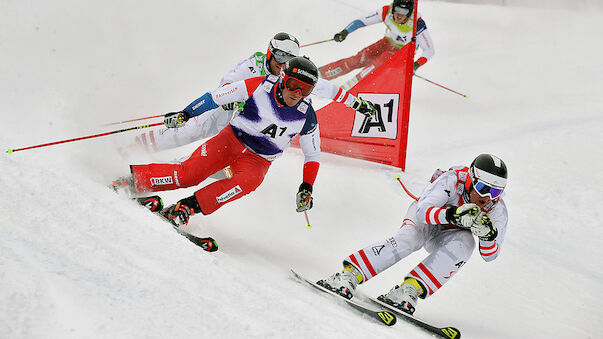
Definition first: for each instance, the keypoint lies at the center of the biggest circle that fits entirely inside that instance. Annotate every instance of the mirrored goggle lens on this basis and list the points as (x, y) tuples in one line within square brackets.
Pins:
[(401, 10), (294, 85), (483, 190), (281, 57)]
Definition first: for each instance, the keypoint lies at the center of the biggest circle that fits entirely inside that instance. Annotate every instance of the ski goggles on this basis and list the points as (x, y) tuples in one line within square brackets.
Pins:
[(484, 189), (281, 56), (401, 10), (296, 85)]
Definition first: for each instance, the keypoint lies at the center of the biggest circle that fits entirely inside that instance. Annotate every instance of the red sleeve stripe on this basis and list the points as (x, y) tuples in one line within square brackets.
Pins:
[(310, 172), (438, 213), (345, 98), (338, 96), (488, 248), (427, 214), (435, 216), (485, 251), (367, 262), (487, 254)]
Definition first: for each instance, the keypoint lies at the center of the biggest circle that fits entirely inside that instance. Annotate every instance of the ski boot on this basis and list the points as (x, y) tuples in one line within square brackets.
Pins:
[(153, 203), (343, 283), (178, 214), (124, 185), (405, 296)]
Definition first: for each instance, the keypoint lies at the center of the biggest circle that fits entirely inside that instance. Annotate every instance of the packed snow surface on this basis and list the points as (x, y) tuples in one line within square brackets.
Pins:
[(79, 261)]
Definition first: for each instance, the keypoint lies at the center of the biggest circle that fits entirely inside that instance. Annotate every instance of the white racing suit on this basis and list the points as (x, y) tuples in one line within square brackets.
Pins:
[(425, 225)]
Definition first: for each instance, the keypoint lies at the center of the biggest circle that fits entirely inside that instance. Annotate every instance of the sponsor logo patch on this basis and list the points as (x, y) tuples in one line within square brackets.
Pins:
[(385, 122), (229, 194), (377, 249), (219, 95), (303, 107), (268, 86), (303, 72), (198, 104), (161, 181)]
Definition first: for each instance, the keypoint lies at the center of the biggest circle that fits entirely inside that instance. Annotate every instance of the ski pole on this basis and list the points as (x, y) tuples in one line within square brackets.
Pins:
[(123, 122), (9, 151), (308, 225), (446, 88), (315, 43), (397, 177)]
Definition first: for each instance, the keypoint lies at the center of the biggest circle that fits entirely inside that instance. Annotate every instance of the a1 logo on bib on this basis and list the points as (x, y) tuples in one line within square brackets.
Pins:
[(385, 122)]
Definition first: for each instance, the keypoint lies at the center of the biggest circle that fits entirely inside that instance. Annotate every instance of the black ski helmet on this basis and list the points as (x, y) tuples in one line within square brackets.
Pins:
[(282, 47), (404, 7), (488, 175), (302, 69)]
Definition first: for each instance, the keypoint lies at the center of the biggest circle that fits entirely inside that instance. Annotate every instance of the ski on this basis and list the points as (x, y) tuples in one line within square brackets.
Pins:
[(384, 317), (155, 205), (444, 332)]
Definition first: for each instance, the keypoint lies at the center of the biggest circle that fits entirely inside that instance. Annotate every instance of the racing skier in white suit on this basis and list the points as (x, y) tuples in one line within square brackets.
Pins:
[(281, 48), (459, 203)]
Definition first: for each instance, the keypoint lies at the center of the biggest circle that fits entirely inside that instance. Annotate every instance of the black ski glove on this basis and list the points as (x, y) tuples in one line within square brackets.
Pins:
[(484, 229), (175, 119), (416, 66), (303, 199), (464, 216), (339, 37), (365, 107)]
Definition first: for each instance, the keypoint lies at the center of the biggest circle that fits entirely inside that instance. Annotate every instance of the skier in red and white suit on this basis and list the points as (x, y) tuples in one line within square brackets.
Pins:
[(399, 22), (459, 203), (276, 110)]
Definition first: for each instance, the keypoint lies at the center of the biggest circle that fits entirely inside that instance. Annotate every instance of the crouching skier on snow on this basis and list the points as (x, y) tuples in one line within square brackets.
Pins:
[(276, 110), (458, 204)]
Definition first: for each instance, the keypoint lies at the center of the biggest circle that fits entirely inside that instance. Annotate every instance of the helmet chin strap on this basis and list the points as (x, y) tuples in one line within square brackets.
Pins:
[(279, 94)]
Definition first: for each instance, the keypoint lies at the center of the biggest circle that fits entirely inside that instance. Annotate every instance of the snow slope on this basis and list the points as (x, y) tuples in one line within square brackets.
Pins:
[(77, 261)]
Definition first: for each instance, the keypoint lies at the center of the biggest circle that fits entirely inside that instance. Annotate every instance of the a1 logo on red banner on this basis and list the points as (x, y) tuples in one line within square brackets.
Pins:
[(385, 122)]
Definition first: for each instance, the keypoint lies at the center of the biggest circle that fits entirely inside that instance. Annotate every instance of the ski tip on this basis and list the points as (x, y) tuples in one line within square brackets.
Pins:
[(451, 332), (387, 318), (9, 151)]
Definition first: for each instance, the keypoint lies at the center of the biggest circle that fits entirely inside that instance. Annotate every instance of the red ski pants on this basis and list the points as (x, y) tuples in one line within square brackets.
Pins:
[(375, 54), (248, 171)]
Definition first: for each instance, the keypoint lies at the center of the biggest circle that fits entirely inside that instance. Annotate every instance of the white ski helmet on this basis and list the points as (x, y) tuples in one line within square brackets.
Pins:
[(488, 175), (282, 47)]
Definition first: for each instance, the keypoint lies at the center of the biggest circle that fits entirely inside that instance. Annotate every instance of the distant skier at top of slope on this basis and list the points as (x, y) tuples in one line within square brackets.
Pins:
[(459, 203), (399, 22), (282, 47), (276, 110)]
